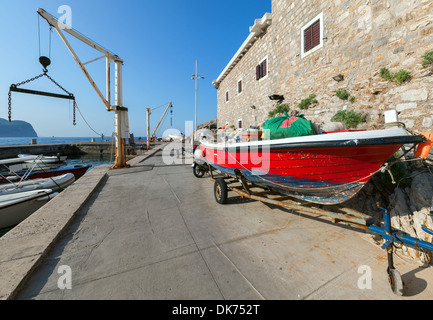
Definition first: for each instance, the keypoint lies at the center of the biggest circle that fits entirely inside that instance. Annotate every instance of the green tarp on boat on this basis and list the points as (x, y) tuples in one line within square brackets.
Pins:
[(288, 127)]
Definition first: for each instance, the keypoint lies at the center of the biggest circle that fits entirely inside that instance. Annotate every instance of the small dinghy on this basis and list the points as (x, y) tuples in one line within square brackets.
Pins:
[(56, 184), (16, 207), (43, 159)]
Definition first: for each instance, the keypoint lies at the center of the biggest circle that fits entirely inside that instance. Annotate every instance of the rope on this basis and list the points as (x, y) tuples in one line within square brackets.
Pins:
[(76, 105), (160, 106), (42, 169), (385, 167), (382, 169), (39, 37), (51, 31), (316, 188), (39, 34), (112, 147)]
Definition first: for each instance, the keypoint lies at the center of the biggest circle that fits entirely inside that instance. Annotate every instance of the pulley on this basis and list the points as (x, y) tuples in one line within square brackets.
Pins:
[(45, 62)]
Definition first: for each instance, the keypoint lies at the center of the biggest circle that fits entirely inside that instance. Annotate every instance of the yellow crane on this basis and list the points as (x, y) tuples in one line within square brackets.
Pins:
[(121, 113), (151, 138)]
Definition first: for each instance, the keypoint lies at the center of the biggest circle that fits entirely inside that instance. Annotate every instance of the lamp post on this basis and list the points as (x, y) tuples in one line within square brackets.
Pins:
[(195, 77)]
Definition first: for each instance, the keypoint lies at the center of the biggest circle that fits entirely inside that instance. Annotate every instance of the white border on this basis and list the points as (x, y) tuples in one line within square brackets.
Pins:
[(320, 46)]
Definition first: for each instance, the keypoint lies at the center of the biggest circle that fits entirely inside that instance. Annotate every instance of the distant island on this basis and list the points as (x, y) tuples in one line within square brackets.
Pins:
[(16, 129)]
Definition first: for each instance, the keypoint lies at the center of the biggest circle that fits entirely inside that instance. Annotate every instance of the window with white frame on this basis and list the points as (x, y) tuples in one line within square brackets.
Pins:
[(227, 96), (312, 36), (240, 86), (262, 69), (240, 123)]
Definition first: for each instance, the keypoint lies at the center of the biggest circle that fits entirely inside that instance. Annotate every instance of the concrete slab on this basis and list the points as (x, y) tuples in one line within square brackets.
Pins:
[(22, 249), (159, 234)]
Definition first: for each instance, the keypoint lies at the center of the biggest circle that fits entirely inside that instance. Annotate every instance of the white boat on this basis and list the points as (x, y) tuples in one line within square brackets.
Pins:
[(56, 184), (16, 207), (43, 159)]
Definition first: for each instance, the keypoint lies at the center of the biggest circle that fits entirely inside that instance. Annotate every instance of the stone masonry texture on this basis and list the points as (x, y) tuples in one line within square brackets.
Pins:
[(359, 38)]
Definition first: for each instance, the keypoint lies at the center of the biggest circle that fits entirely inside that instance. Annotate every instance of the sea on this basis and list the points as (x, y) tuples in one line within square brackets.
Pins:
[(43, 140), (94, 160)]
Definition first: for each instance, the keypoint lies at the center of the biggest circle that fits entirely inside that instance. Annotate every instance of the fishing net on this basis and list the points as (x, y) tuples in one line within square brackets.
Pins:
[(288, 127)]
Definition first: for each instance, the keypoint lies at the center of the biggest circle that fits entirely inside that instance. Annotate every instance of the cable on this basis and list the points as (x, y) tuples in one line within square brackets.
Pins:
[(160, 106), (76, 105), (39, 34), (51, 31)]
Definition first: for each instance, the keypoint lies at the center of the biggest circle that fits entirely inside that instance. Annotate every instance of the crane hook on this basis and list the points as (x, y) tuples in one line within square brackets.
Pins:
[(45, 62)]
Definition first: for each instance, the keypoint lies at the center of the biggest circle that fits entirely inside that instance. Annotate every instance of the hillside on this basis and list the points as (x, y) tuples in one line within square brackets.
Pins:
[(16, 129)]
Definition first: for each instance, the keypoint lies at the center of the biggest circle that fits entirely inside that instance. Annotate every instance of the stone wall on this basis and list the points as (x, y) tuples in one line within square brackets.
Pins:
[(360, 38), (255, 93)]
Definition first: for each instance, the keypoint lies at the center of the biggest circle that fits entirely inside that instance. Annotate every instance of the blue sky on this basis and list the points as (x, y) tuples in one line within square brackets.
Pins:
[(159, 42)]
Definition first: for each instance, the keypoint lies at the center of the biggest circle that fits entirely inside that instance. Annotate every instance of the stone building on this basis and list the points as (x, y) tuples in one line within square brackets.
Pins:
[(316, 47)]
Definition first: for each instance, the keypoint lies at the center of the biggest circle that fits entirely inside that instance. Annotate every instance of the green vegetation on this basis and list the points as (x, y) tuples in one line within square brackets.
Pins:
[(343, 94), (280, 109), (385, 74), (350, 118), (428, 59), (399, 77), (306, 103), (402, 76)]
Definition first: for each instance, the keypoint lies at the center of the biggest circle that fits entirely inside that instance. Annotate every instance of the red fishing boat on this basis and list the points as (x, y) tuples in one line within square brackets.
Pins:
[(9, 175), (77, 170), (328, 168)]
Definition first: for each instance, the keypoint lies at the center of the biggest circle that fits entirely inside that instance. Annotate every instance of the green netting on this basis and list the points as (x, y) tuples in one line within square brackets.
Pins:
[(288, 127)]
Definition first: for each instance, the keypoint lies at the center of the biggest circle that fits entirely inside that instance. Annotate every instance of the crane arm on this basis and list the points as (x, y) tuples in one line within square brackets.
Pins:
[(59, 27), (121, 118), (159, 123), (55, 23)]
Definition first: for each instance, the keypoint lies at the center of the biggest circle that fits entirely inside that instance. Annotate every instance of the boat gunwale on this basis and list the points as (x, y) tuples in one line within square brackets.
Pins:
[(39, 194), (352, 142)]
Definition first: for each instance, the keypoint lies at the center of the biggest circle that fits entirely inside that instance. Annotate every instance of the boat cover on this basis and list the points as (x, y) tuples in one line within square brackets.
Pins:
[(288, 127)]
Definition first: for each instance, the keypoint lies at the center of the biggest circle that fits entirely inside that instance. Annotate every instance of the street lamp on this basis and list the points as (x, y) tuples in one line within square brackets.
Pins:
[(195, 77)]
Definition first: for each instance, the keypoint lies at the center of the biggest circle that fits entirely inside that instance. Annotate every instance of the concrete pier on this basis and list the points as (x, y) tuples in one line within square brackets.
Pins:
[(154, 231)]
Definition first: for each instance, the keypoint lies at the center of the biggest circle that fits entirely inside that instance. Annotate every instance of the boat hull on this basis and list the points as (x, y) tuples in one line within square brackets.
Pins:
[(16, 208), (56, 184), (320, 171), (78, 171)]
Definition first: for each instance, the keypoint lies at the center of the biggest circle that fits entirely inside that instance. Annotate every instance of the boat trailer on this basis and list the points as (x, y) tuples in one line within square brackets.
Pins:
[(393, 238)]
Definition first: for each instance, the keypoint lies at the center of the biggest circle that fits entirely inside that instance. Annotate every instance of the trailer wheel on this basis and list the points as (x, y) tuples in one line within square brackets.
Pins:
[(396, 282), (198, 171), (220, 191)]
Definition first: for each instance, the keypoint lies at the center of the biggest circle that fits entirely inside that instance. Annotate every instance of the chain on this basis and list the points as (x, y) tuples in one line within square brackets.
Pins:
[(74, 122), (45, 74), (17, 85), (10, 106), (30, 80)]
